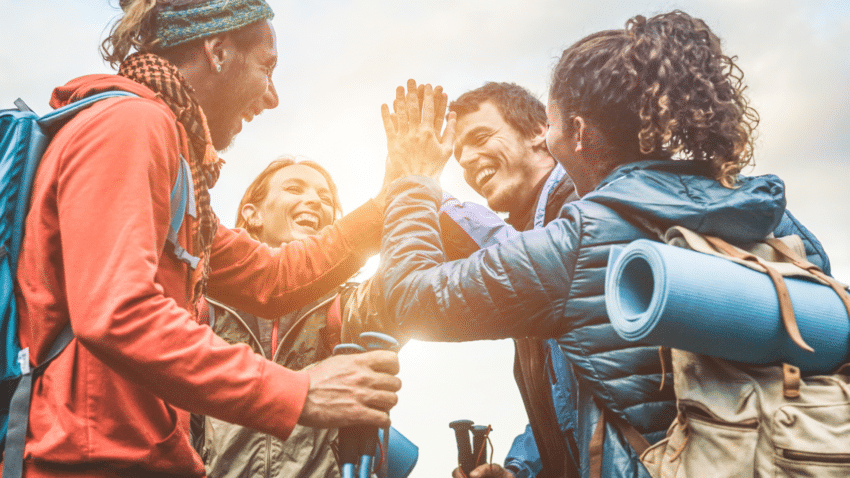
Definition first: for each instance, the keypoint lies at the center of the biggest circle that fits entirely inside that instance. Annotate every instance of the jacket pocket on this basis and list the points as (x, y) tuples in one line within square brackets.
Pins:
[(812, 440)]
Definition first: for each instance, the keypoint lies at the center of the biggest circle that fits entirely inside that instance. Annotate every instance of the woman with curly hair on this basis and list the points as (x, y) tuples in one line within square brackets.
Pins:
[(651, 123)]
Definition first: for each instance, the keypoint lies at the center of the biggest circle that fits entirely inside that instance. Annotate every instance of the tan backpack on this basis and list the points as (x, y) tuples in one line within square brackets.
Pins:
[(741, 420)]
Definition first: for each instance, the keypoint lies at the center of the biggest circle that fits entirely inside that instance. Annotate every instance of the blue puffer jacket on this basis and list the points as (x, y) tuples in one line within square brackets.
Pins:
[(549, 282)]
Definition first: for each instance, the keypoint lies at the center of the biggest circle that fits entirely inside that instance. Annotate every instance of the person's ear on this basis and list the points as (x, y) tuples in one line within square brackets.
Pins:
[(538, 141), (215, 52), (577, 126), (252, 216)]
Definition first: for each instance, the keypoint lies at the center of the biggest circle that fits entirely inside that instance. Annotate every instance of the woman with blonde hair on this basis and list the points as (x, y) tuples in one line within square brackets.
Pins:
[(289, 200)]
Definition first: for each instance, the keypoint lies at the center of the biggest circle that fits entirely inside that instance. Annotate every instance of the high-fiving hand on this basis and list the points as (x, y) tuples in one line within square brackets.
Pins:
[(415, 142)]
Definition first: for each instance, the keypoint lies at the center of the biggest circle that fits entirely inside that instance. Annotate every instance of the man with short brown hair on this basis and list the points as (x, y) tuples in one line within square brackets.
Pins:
[(501, 146)]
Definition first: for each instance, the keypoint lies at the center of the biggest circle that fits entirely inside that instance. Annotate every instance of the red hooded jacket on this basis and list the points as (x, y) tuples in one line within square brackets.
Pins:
[(94, 253)]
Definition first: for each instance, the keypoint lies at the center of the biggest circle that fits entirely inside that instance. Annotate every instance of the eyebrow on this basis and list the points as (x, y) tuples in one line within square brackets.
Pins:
[(270, 60), (463, 139), (302, 182)]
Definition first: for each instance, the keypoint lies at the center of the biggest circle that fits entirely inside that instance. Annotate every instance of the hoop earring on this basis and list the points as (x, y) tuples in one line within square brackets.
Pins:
[(218, 68)]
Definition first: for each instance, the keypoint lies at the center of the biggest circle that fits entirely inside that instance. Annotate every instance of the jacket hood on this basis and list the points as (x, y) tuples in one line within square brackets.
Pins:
[(667, 193), (88, 85)]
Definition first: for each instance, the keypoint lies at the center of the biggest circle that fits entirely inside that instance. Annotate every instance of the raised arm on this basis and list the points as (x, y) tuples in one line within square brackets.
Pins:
[(495, 293)]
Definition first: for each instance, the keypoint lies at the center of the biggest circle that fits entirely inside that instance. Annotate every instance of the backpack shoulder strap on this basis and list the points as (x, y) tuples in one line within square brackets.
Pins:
[(19, 407), (182, 201), (59, 116)]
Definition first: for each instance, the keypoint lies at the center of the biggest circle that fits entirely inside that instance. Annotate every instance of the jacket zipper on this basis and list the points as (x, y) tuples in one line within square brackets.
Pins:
[(297, 321), (250, 332), (838, 458), (268, 456)]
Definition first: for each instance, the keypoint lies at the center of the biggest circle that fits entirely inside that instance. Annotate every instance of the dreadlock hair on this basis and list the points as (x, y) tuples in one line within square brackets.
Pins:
[(660, 88), (133, 30), (520, 109), (259, 189)]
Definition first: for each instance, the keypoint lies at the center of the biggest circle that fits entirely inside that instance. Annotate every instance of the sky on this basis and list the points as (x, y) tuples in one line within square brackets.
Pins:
[(339, 60)]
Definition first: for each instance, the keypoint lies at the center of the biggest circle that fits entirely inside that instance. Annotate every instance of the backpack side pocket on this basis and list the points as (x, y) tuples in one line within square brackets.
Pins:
[(811, 436)]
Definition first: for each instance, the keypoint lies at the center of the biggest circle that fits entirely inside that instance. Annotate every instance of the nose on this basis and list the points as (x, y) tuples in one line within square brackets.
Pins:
[(312, 198), (270, 99), (467, 158)]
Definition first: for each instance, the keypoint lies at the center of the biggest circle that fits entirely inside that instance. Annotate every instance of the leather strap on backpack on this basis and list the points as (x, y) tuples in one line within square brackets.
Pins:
[(790, 381), (785, 307), (791, 374), (597, 441), (798, 261)]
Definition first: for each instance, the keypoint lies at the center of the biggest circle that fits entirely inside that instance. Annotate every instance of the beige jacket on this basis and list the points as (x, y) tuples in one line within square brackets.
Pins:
[(304, 337)]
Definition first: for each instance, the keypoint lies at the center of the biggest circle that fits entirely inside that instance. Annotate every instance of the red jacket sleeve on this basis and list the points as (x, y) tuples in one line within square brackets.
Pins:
[(124, 295), (269, 282)]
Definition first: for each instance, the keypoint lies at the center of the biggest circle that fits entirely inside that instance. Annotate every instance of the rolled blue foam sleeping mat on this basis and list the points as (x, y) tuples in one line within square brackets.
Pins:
[(659, 294)]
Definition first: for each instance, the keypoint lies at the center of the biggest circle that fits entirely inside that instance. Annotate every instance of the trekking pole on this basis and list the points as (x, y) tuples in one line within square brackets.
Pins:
[(348, 436), (464, 451), (479, 444), (378, 341)]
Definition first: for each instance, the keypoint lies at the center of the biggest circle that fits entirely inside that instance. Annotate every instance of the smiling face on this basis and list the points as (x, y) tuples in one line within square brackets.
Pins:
[(299, 203), (497, 160), (244, 87)]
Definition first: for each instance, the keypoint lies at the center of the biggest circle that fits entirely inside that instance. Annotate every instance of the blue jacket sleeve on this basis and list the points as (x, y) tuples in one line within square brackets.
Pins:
[(523, 459), (495, 293)]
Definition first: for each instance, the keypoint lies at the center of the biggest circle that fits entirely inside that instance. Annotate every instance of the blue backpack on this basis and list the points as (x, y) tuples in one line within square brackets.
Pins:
[(24, 137)]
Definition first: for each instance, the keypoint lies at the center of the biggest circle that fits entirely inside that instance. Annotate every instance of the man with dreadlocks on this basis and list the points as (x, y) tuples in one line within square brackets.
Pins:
[(95, 255)]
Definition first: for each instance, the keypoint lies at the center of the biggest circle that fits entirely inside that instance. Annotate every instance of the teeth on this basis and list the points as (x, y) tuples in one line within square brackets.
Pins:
[(307, 219), (484, 175)]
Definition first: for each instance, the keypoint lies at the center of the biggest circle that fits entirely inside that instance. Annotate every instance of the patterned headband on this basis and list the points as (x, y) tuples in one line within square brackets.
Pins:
[(176, 24)]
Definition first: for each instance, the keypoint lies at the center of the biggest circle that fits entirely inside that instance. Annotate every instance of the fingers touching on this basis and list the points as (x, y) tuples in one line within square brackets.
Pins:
[(441, 100), (415, 105), (448, 138)]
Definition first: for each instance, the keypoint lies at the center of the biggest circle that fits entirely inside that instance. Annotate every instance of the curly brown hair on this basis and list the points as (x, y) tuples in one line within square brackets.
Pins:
[(259, 189), (660, 88)]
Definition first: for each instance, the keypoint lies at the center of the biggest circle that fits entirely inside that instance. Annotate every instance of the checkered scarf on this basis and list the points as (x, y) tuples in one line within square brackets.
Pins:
[(163, 78)]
